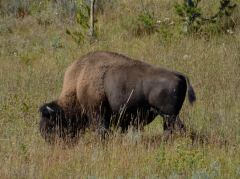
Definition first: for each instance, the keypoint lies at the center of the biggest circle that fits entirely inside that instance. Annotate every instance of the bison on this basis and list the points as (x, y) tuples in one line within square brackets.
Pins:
[(104, 89)]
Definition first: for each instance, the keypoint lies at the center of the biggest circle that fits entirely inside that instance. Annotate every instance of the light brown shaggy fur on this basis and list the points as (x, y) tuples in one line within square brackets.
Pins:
[(83, 84)]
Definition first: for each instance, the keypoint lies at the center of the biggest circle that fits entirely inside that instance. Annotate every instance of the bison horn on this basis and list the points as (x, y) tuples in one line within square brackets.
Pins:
[(49, 109)]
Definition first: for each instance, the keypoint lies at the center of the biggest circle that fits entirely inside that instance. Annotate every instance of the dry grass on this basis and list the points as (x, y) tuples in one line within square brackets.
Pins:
[(33, 59)]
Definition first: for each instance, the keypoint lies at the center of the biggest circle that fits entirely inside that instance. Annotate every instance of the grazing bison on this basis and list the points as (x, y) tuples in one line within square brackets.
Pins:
[(104, 88)]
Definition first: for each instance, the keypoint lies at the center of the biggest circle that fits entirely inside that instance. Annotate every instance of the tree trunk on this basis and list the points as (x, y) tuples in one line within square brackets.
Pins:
[(91, 25)]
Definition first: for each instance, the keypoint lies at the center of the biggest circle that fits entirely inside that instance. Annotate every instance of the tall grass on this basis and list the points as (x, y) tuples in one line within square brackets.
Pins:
[(33, 59)]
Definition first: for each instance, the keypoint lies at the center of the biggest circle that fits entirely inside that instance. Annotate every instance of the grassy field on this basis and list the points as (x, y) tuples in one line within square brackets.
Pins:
[(34, 53)]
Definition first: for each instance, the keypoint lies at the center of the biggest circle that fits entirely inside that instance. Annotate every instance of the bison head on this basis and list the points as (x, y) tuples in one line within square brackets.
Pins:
[(52, 123)]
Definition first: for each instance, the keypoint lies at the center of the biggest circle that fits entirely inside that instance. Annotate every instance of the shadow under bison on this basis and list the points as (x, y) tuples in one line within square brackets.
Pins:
[(104, 89)]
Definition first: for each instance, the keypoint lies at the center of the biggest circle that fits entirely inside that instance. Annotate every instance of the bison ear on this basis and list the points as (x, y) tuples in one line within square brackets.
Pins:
[(46, 111)]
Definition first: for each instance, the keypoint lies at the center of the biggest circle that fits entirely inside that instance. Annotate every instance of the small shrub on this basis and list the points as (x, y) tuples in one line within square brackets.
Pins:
[(83, 15), (82, 18), (194, 20), (146, 24), (189, 14)]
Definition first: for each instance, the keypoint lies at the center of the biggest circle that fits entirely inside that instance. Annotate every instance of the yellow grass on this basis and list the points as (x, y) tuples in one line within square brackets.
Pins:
[(33, 58)]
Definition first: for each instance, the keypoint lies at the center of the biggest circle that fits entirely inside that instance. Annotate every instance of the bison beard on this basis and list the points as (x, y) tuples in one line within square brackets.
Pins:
[(104, 89)]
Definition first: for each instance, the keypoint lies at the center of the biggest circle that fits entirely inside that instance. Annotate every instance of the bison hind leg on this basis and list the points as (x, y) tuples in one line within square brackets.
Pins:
[(168, 126), (172, 123), (179, 125)]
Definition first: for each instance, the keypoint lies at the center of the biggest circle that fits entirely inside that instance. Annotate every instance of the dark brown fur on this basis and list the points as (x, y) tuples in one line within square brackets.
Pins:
[(103, 85)]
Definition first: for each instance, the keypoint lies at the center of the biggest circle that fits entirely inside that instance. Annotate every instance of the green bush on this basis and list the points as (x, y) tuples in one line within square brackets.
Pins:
[(82, 18), (194, 20), (146, 24)]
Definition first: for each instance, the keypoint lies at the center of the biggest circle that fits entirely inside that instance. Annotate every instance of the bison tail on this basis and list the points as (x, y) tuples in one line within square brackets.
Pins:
[(190, 91), (191, 95)]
